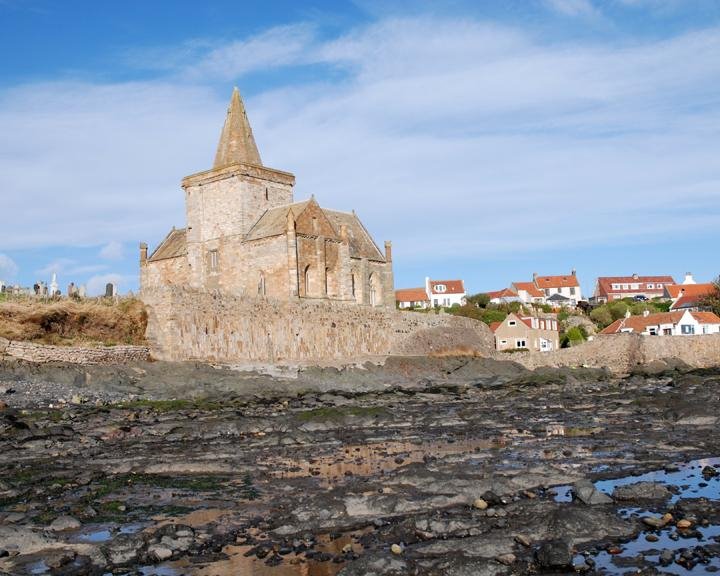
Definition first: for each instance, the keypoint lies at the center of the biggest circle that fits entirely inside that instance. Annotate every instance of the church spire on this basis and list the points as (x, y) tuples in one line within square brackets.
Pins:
[(236, 141)]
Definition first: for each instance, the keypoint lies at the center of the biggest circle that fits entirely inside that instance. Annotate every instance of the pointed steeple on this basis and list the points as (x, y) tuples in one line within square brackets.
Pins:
[(236, 141)]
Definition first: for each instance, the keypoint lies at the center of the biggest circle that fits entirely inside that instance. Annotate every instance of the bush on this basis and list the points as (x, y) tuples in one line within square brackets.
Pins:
[(479, 300), (617, 309), (575, 335), (601, 316)]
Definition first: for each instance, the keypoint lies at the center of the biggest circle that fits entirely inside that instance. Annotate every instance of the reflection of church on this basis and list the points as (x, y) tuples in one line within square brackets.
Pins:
[(245, 235)]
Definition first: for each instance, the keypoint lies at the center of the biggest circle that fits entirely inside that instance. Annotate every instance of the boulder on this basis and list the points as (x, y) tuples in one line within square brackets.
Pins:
[(585, 492)]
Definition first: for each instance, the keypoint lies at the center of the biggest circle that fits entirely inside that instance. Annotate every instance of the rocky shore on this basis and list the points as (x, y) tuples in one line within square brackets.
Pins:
[(421, 466)]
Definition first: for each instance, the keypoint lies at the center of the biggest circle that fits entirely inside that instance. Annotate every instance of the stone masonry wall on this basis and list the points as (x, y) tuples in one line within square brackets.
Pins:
[(621, 353), (102, 355), (184, 324)]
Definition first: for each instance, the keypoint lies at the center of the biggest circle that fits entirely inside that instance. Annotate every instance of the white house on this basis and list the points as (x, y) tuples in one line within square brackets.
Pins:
[(445, 293), (528, 292), (681, 323), (566, 286)]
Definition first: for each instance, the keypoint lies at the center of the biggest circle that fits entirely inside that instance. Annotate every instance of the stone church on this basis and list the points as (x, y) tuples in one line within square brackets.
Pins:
[(246, 235)]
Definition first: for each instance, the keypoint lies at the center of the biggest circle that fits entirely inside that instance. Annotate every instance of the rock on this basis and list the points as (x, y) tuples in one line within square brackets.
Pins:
[(654, 521), (523, 540), (3, 405), (684, 524), (709, 472), (396, 549), (506, 559), (64, 523), (480, 504), (159, 552), (651, 538), (585, 491), (642, 491), (554, 554), (666, 557)]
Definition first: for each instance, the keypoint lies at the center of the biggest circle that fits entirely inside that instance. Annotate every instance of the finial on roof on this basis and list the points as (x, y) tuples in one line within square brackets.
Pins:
[(237, 144)]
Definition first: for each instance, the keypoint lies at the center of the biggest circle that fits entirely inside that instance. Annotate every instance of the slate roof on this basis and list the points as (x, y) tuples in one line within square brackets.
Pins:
[(174, 246)]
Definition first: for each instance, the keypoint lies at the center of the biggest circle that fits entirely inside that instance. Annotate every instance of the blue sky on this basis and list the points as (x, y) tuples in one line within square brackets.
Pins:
[(488, 140)]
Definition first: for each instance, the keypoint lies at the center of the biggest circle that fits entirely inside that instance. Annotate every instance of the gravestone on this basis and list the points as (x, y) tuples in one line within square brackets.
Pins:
[(110, 290)]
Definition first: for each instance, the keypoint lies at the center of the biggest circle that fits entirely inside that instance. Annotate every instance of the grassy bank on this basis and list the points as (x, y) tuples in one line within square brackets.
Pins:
[(66, 322)]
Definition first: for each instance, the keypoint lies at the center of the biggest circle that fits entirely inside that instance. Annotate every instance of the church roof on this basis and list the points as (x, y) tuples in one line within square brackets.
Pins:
[(361, 243), (274, 223), (174, 245), (237, 144)]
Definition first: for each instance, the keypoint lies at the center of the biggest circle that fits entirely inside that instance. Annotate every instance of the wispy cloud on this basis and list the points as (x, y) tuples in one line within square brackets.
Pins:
[(574, 8), (488, 139), (113, 250), (8, 267), (69, 267)]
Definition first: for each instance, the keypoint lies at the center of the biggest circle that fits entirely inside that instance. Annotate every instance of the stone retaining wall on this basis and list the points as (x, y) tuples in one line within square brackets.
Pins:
[(42, 353), (621, 353), (185, 324)]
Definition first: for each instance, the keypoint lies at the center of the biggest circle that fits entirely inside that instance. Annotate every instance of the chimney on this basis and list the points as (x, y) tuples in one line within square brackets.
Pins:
[(635, 276), (388, 250), (689, 278), (573, 272), (143, 252), (535, 275)]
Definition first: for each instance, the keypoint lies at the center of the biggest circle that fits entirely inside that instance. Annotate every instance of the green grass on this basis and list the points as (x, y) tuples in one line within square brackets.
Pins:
[(338, 413), (174, 405)]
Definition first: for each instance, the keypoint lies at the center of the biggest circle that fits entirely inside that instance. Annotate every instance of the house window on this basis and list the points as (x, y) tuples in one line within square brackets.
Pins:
[(650, 286), (213, 260), (520, 344), (667, 331), (572, 290), (659, 286), (440, 288), (512, 323), (687, 329), (653, 331), (503, 341), (435, 302)]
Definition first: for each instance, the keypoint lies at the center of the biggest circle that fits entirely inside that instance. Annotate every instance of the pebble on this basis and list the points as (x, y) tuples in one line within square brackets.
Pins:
[(64, 523), (160, 552), (683, 524), (523, 540), (506, 559), (396, 549), (651, 538), (480, 504)]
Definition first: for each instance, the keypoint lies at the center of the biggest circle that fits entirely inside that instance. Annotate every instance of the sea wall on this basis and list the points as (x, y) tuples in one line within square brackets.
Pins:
[(622, 353), (185, 324), (42, 353)]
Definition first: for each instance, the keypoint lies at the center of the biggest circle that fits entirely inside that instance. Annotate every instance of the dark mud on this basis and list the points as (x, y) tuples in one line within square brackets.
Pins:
[(425, 466)]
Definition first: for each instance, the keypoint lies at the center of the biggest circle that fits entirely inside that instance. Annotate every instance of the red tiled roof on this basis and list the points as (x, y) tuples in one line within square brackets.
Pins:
[(690, 290), (495, 325), (641, 323), (605, 283), (556, 281), (530, 288), (452, 286), (411, 295), (504, 293)]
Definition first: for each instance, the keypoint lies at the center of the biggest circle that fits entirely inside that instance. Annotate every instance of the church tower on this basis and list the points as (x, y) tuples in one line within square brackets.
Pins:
[(224, 202)]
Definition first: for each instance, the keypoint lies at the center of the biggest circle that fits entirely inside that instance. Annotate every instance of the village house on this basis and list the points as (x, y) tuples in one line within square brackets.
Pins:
[(609, 288), (560, 291), (680, 323), (412, 298), (528, 292), (435, 293), (504, 296), (526, 332), (246, 235), (689, 294)]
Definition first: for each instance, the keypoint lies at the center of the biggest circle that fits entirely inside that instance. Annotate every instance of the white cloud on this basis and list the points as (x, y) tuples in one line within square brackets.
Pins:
[(69, 267), (582, 8), (487, 139), (113, 250), (8, 267)]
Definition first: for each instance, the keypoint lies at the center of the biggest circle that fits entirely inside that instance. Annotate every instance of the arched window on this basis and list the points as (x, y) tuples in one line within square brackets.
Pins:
[(261, 285), (267, 193), (306, 276), (352, 283), (375, 290)]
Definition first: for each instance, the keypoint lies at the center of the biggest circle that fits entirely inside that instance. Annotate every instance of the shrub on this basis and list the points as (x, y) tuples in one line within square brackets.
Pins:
[(617, 309), (601, 316), (479, 300)]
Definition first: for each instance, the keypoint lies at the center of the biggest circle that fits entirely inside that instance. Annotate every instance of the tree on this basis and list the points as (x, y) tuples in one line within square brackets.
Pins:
[(711, 301), (479, 300)]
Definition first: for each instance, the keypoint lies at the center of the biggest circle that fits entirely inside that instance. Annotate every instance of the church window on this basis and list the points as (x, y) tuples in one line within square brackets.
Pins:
[(307, 280), (267, 193), (261, 285), (352, 283), (327, 283), (213, 260)]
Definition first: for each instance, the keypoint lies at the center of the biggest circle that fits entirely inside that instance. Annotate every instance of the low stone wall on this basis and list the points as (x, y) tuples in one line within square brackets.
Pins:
[(42, 353), (184, 324), (621, 353)]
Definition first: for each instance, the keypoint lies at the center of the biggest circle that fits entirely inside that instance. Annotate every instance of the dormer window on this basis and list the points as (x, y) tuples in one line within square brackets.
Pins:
[(440, 288)]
